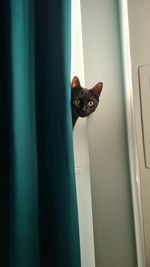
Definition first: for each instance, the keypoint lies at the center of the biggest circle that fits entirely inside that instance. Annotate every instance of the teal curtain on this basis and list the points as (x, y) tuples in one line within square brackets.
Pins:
[(38, 207)]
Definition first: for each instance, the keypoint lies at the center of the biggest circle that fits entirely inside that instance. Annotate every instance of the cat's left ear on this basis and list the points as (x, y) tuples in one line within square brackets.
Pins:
[(75, 84), (97, 89)]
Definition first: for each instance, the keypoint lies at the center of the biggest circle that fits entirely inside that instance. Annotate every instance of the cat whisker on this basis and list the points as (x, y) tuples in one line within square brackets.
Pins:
[(92, 120)]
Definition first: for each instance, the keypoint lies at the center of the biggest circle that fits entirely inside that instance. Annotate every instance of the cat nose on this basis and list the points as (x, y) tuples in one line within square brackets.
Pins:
[(84, 108)]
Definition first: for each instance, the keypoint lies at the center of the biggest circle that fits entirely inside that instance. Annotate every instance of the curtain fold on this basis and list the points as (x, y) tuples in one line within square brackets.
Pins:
[(39, 225), (4, 131), (24, 238)]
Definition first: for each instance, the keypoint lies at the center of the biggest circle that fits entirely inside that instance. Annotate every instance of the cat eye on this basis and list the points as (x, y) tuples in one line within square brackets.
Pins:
[(90, 103), (77, 102)]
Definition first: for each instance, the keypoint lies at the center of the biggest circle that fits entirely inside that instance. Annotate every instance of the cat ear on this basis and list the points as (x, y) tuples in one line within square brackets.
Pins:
[(75, 84), (97, 89)]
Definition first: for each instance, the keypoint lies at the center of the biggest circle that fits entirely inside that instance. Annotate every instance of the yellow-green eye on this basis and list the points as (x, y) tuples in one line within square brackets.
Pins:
[(77, 102), (90, 103)]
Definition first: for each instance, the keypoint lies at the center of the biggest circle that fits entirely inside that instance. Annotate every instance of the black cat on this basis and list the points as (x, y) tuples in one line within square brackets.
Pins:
[(83, 101)]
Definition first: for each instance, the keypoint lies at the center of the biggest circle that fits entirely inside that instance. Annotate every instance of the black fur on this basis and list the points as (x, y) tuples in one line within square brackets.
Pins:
[(88, 99)]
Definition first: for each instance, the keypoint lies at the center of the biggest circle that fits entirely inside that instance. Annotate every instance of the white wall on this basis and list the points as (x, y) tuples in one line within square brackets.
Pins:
[(110, 179), (81, 148), (139, 25)]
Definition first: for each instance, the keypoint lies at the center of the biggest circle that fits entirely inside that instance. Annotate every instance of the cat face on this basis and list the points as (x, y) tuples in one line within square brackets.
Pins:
[(84, 101)]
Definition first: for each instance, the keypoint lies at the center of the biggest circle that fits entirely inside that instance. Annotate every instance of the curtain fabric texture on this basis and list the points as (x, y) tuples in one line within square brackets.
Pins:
[(39, 222)]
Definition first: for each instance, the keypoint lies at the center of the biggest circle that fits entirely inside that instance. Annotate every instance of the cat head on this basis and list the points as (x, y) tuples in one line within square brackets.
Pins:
[(84, 101)]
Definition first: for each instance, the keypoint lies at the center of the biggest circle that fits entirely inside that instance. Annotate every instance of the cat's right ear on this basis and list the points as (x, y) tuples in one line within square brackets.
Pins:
[(75, 84), (97, 89)]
